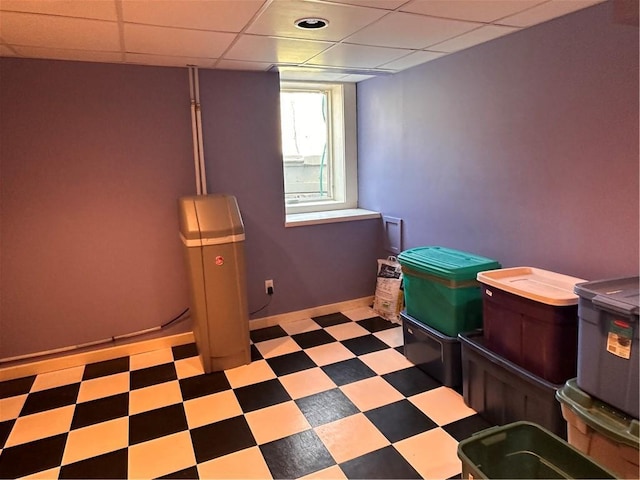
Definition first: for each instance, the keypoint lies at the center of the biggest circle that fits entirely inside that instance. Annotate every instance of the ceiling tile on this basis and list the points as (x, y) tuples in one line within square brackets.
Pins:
[(176, 42), (471, 10), (59, 32), (309, 74), (385, 4), (475, 37), (217, 15), (239, 65), (547, 11), (411, 60), (356, 78), (167, 60), (274, 50), (76, 55), (407, 30), (357, 56), (96, 9), (6, 51), (278, 19)]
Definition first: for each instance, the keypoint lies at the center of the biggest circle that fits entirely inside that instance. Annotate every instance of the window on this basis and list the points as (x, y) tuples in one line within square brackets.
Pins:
[(319, 146)]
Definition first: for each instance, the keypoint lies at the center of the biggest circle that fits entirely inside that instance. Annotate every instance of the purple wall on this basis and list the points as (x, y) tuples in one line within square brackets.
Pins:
[(310, 266), (93, 159), (523, 149)]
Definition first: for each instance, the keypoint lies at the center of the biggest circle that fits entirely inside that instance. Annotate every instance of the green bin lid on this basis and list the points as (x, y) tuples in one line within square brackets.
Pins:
[(603, 418), (446, 262)]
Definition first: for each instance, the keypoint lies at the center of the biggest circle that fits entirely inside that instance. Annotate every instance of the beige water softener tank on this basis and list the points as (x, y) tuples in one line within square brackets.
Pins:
[(212, 232)]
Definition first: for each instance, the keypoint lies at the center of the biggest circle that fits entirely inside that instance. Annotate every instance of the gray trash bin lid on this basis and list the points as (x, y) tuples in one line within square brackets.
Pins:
[(210, 220)]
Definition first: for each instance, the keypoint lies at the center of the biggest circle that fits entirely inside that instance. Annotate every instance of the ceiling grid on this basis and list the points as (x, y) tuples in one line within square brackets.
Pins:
[(363, 38)]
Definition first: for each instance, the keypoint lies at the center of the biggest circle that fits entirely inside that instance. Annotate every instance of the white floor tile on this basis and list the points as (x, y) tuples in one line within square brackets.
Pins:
[(442, 405)]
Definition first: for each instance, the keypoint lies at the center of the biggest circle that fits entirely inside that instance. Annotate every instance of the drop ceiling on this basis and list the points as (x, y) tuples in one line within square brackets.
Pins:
[(364, 38)]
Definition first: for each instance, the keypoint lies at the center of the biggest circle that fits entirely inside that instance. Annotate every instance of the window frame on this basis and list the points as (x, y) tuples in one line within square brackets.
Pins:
[(342, 142)]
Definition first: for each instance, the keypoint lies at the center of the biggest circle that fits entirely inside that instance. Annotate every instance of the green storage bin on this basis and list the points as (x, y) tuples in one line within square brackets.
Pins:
[(524, 450), (440, 287)]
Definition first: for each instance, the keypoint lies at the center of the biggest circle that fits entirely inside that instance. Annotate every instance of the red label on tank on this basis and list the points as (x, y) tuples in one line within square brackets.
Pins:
[(622, 324), (219, 260)]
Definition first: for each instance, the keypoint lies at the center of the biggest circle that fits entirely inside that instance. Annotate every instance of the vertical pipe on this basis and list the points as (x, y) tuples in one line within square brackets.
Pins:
[(203, 174), (194, 132)]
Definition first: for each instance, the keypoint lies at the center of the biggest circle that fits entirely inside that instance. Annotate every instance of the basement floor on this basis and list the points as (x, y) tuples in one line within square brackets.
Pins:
[(325, 397)]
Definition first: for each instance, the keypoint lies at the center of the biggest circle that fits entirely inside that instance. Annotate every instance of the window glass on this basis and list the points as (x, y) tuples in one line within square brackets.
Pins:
[(319, 146), (305, 145)]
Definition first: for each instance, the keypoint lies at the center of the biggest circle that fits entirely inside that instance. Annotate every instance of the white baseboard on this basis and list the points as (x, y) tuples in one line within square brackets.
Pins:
[(74, 360), (309, 312), (91, 356)]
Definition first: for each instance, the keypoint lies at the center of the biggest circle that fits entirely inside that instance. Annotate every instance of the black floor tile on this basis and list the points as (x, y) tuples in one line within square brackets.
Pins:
[(109, 465), (411, 381), (376, 324), (51, 398), (348, 371), (260, 395), (221, 438), (100, 410), (365, 344), (32, 457), (400, 420), (191, 472), (296, 455), (156, 423), (290, 363), (268, 333), (466, 427), (18, 386), (313, 338), (331, 319), (255, 354), (201, 385), (184, 351), (384, 463), (146, 377), (325, 407), (5, 430), (108, 367), (456, 477)]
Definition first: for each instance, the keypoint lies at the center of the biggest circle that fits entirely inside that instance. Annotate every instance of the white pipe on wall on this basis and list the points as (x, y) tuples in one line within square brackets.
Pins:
[(196, 128), (203, 173), (194, 131), (77, 347)]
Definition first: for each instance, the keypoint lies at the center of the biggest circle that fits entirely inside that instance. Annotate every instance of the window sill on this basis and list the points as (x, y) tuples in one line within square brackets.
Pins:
[(329, 216)]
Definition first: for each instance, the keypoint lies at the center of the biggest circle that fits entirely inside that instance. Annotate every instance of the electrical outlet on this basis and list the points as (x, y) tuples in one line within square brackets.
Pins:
[(268, 287)]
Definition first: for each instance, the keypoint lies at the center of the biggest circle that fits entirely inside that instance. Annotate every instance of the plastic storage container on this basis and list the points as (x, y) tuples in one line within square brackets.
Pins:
[(608, 342), (603, 433), (524, 450), (503, 392), (431, 351), (441, 289), (212, 232), (531, 318)]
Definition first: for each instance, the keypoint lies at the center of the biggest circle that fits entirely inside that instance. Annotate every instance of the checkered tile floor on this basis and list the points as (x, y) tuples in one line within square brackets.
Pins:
[(328, 397)]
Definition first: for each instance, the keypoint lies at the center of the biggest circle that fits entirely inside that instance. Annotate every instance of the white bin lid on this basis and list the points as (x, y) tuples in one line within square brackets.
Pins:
[(533, 283)]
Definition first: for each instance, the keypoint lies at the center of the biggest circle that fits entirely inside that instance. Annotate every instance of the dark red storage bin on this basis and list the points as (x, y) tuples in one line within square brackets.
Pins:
[(531, 318)]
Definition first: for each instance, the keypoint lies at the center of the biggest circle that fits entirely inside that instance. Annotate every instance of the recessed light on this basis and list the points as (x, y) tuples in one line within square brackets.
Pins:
[(311, 23)]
